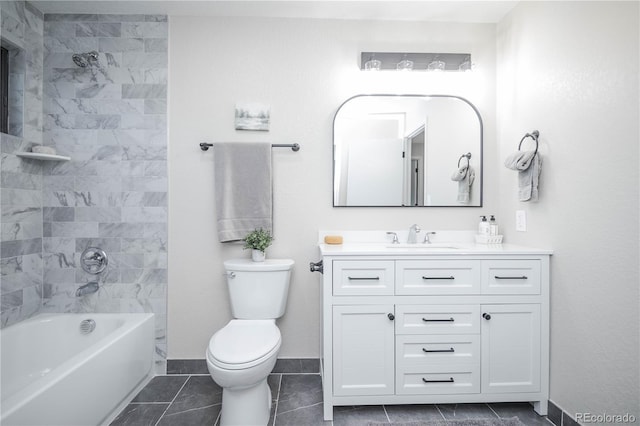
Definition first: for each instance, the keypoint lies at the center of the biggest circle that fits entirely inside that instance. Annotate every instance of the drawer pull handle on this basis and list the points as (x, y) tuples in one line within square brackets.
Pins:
[(438, 350), (364, 278), (524, 277), (438, 320), (439, 278), (438, 381)]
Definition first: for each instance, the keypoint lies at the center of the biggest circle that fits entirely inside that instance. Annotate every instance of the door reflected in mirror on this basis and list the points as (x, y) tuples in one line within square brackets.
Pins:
[(407, 150)]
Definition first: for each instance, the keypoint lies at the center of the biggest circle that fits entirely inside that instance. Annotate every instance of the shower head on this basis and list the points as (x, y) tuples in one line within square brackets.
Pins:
[(85, 59)]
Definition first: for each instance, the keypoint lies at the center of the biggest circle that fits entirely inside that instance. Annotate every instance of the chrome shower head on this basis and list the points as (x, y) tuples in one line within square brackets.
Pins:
[(85, 59)]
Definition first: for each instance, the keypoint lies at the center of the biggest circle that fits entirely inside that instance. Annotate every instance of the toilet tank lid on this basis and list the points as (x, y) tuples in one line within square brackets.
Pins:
[(250, 265)]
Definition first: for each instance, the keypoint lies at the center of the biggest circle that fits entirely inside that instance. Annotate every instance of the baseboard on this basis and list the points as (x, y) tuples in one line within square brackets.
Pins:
[(283, 366)]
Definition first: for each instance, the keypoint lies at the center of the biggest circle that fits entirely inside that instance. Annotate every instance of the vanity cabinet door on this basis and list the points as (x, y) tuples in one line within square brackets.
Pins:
[(510, 345), (363, 350)]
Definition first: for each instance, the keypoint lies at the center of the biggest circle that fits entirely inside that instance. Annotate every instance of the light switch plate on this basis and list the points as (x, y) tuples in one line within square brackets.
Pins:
[(521, 221)]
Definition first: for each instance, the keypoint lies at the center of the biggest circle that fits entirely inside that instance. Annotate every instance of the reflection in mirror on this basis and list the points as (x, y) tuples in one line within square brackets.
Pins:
[(407, 150)]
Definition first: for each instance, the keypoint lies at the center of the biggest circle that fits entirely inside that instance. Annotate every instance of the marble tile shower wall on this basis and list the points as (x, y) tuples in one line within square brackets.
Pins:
[(21, 30), (111, 119)]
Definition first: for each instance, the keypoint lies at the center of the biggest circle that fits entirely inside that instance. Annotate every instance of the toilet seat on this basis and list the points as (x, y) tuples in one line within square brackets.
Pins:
[(243, 344)]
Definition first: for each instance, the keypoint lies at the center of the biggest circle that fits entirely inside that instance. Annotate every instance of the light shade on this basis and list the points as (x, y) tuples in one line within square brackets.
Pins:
[(405, 65), (466, 65), (372, 65), (436, 65)]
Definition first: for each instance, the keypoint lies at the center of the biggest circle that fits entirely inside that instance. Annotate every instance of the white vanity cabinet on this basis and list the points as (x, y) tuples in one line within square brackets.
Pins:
[(437, 327), (363, 350)]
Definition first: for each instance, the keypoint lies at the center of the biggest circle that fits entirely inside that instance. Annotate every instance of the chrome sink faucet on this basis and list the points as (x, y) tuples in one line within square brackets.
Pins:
[(413, 234)]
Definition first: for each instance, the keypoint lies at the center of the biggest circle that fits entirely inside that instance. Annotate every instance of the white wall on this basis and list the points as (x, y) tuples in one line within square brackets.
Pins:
[(304, 69), (570, 70)]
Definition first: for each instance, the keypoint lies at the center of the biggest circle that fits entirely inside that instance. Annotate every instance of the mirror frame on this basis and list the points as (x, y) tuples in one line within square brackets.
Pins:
[(478, 176)]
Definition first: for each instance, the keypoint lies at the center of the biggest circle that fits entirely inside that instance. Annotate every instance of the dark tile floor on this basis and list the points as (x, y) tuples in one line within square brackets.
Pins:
[(195, 399)]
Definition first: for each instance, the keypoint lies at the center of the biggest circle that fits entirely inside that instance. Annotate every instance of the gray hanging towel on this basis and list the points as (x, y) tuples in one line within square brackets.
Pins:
[(465, 176), (243, 189), (528, 164)]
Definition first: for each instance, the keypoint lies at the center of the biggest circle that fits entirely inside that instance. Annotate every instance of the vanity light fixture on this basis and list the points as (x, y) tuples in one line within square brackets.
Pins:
[(408, 61)]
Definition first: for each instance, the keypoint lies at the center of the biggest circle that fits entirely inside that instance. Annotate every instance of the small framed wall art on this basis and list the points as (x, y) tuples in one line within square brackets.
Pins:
[(253, 116)]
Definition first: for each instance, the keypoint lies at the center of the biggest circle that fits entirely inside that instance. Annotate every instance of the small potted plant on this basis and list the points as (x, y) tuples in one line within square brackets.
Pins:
[(258, 240)]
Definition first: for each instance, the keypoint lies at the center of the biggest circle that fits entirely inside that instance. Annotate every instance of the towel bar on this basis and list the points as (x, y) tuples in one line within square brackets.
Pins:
[(533, 135), (294, 146)]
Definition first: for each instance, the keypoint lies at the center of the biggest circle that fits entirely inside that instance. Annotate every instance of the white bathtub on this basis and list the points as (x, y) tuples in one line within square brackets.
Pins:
[(52, 374)]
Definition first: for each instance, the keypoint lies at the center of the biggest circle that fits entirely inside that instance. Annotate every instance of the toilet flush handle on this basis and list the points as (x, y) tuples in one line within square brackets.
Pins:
[(231, 274)]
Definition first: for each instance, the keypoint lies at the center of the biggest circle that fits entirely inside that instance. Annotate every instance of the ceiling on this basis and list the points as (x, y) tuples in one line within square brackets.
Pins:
[(476, 11)]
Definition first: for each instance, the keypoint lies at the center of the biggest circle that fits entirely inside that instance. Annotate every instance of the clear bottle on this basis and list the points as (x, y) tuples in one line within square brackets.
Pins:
[(493, 226), (483, 226)]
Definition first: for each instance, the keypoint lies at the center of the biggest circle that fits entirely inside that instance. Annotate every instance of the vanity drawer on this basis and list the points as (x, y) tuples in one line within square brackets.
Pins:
[(424, 277), (416, 380), (511, 277), (437, 349), (437, 319), (363, 277)]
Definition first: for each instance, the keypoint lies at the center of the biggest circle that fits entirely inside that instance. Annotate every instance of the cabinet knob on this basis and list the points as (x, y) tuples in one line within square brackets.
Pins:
[(391, 317), (486, 316)]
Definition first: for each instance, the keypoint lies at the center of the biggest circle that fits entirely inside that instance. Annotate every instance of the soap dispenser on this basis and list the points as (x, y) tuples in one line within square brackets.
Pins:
[(483, 226), (493, 226)]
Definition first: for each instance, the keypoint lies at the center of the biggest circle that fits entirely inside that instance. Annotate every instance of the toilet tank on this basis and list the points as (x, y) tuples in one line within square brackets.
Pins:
[(258, 290)]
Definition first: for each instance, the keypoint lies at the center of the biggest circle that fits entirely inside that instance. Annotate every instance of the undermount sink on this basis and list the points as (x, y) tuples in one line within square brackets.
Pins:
[(422, 246)]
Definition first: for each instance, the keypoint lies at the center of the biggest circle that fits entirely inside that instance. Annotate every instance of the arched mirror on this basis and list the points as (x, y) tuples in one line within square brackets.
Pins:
[(407, 150)]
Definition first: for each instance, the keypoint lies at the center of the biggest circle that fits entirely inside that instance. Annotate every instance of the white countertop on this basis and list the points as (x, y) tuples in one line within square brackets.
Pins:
[(419, 249), (443, 242)]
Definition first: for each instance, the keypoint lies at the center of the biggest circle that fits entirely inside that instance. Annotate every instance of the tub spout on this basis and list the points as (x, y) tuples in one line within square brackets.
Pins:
[(88, 288)]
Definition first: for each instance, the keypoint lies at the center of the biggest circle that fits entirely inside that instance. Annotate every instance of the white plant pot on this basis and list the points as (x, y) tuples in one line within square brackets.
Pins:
[(257, 255)]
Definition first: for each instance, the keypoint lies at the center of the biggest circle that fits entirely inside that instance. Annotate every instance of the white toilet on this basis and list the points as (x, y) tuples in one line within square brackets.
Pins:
[(241, 355)]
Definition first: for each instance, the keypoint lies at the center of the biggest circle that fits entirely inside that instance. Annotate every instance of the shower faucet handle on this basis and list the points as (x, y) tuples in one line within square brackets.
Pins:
[(94, 260)]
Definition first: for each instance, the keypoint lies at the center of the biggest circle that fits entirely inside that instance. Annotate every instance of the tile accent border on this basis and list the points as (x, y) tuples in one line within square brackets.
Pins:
[(559, 417), (283, 366)]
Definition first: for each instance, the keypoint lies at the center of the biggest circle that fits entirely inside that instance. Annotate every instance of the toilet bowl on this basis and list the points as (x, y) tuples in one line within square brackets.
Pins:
[(241, 355)]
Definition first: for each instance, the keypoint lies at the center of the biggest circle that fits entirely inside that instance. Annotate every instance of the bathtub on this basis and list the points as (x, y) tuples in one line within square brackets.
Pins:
[(54, 374)]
